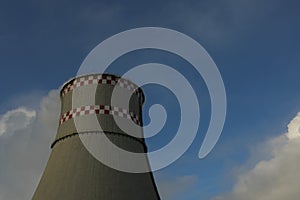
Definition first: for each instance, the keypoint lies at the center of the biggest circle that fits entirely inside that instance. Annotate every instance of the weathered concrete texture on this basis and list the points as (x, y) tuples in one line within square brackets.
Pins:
[(72, 173)]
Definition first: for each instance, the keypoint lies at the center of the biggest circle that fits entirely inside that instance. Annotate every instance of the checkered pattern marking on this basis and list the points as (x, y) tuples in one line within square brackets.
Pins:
[(101, 79), (100, 109)]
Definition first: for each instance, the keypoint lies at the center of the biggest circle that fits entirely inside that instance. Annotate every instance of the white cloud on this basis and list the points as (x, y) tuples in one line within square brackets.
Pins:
[(294, 128), (25, 141), (22, 116), (169, 188), (275, 178)]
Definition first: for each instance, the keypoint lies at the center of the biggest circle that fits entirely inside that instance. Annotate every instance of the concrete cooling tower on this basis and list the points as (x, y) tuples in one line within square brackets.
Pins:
[(72, 172)]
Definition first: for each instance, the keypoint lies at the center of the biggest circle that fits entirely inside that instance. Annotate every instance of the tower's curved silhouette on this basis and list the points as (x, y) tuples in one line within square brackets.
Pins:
[(72, 173)]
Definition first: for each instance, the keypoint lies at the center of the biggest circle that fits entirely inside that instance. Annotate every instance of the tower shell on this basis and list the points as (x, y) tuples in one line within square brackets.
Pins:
[(72, 172)]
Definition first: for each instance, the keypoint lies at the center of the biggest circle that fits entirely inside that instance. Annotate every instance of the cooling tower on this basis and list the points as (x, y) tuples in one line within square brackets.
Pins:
[(72, 172)]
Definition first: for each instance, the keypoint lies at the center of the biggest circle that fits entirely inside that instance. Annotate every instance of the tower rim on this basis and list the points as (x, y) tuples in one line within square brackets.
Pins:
[(71, 80)]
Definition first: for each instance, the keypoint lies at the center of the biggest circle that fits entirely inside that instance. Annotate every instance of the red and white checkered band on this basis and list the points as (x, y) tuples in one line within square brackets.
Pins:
[(100, 109), (101, 79)]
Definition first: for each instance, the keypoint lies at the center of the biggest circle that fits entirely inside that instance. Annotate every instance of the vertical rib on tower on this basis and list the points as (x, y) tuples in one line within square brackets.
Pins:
[(72, 173)]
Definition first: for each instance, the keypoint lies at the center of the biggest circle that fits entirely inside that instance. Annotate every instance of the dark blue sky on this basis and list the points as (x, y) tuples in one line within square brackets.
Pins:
[(255, 45)]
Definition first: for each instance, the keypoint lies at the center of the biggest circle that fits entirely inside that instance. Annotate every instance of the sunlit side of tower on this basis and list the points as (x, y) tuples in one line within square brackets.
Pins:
[(72, 173)]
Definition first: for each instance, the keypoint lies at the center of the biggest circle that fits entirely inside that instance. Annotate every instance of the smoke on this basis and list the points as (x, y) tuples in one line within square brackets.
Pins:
[(25, 138), (275, 178)]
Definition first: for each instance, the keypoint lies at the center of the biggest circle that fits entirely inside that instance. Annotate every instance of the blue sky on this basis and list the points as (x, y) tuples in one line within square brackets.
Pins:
[(255, 45)]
